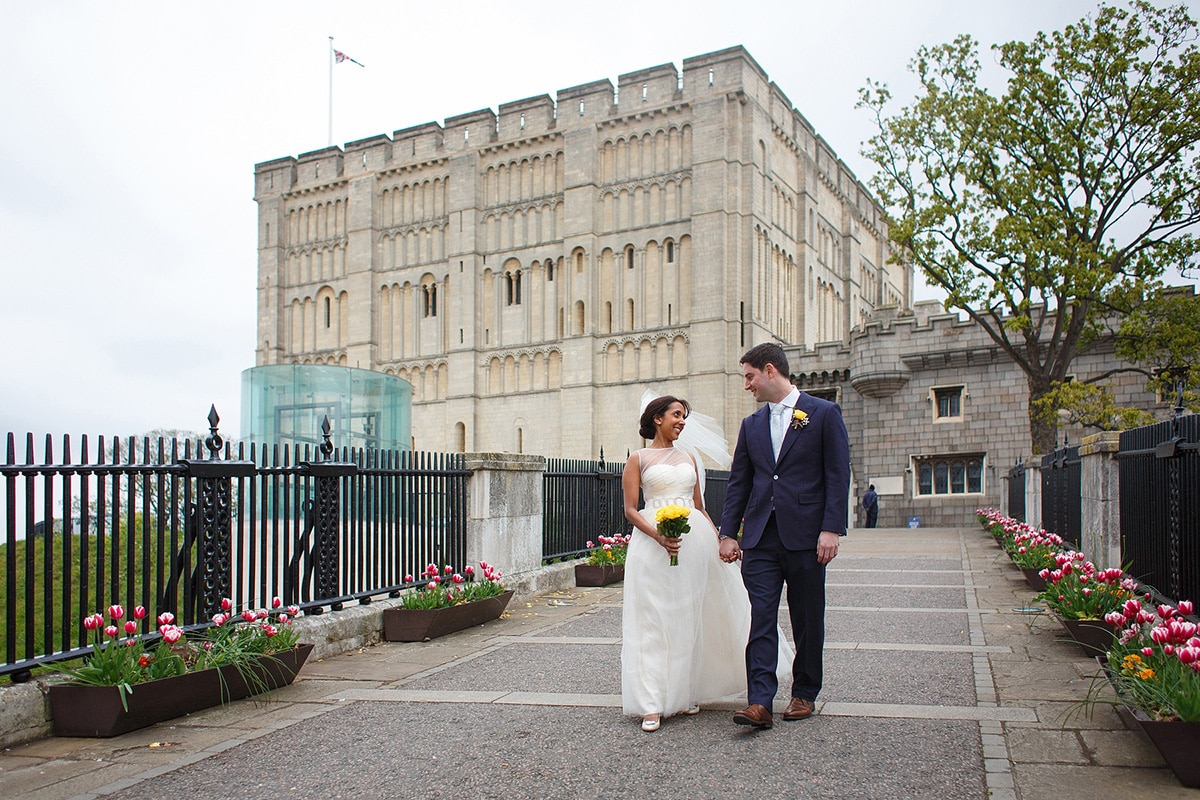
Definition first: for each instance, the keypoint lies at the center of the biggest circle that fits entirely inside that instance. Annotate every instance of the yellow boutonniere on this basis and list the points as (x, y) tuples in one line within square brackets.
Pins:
[(799, 419)]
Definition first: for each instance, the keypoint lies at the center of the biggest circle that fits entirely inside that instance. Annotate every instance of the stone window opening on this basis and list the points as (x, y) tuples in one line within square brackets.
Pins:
[(429, 308), (947, 403), (512, 281), (670, 252), (948, 474)]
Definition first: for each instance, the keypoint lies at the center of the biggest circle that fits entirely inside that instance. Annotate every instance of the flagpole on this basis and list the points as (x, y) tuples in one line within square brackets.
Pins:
[(331, 91)]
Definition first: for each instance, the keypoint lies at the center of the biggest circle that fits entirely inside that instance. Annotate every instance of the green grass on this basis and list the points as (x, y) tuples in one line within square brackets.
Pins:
[(27, 566)]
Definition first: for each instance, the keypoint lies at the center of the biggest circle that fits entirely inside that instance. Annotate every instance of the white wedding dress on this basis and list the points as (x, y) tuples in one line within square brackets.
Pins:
[(684, 628)]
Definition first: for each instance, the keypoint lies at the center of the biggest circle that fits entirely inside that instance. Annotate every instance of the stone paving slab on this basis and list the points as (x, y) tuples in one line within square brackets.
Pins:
[(881, 676), (524, 665), (895, 597), (854, 625)]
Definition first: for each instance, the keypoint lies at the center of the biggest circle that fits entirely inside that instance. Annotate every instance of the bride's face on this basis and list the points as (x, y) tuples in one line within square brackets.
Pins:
[(671, 423)]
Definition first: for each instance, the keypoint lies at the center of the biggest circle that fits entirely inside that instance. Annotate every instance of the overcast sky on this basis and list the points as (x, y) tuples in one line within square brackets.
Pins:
[(131, 129)]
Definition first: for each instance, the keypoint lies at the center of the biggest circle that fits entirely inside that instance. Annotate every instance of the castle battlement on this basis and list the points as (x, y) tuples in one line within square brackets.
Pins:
[(726, 74)]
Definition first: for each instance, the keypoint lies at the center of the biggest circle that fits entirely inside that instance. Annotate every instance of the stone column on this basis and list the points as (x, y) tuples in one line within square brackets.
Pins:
[(1099, 480), (504, 512), (1033, 491)]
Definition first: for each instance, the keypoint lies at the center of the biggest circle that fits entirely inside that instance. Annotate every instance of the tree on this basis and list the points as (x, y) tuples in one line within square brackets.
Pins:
[(1042, 212), (1164, 333)]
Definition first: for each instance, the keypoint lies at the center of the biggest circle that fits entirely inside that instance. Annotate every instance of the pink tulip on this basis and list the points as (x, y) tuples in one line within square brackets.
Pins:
[(276, 602), (130, 627), (469, 570), (92, 622), (1189, 655), (111, 631), (284, 619), (1166, 612), (249, 616), (166, 618), (1169, 649), (220, 619), (116, 612), (408, 578), (1185, 607), (269, 630), (293, 610), (590, 543), (1115, 618), (1147, 651), (171, 633), (262, 613), (226, 604), (139, 612), (458, 578)]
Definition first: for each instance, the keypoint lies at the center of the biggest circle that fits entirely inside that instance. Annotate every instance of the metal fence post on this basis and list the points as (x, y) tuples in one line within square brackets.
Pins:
[(211, 519), (324, 512)]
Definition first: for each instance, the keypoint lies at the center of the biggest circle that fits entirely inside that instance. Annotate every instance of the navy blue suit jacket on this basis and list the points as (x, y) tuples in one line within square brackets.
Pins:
[(809, 489)]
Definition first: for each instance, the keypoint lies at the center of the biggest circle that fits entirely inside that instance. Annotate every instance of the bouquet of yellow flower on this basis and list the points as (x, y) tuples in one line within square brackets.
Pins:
[(672, 523)]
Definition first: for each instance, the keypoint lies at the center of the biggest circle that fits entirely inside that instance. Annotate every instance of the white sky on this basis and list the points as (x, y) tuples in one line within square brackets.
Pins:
[(130, 131)]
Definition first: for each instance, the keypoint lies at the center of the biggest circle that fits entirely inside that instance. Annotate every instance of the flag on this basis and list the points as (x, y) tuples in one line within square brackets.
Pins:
[(339, 57)]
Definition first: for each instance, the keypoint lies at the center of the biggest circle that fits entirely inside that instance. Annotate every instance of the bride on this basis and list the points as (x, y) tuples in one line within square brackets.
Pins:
[(684, 627)]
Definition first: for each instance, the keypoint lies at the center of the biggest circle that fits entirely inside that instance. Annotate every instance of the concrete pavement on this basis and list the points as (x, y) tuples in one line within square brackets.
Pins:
[(938, 684)]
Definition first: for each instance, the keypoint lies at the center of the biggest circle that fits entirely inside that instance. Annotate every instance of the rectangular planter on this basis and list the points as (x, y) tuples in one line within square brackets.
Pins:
[(598, 574), (97, 711), (1093, 636), (1177, 742), (422, 624), (1035, 581)]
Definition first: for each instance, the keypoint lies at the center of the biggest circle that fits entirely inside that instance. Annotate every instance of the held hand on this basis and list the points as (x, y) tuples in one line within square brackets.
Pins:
[(827, 546), (671, 544), (730, 550)]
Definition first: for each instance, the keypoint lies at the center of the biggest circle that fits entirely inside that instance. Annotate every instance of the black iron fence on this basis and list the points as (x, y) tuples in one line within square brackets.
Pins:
[(1062, 493), (165, 525), (1159, 468), (581, 500)]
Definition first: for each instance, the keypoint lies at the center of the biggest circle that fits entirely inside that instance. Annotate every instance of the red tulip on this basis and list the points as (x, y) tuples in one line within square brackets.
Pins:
[(166, 618), (276, 602), (139, 612), (116, 612), (131, 627), (226, 604), (92, 622), (111, 631)]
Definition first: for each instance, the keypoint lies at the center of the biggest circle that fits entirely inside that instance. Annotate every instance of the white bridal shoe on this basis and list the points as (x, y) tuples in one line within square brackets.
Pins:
[(650, 722), (692, 710)]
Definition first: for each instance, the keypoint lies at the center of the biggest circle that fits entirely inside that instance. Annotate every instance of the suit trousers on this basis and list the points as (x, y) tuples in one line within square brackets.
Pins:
[(766, 569)]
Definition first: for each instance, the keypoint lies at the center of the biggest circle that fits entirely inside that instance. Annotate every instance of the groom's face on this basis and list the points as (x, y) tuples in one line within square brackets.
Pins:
[(758, 382)]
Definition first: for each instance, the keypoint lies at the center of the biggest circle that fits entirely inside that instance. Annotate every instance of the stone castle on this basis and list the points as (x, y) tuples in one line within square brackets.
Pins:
[(531, 272)]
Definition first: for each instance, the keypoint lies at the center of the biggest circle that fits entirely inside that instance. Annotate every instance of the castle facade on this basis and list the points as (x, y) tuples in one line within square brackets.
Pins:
[(530, 272)]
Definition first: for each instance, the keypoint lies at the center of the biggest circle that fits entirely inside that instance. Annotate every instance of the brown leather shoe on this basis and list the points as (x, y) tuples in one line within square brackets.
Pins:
[(798, 708), (754, 715)]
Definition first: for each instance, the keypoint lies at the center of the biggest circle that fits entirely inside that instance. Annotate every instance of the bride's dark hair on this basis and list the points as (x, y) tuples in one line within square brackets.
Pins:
[(656, 408)]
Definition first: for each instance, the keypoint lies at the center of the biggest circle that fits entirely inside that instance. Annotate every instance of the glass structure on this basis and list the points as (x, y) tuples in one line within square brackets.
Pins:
[(287, 404)]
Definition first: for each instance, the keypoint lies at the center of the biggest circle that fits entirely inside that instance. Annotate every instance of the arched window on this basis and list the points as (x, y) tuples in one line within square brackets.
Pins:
[(629, 257)]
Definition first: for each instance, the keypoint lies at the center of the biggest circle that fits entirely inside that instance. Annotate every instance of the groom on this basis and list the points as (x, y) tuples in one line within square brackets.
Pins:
[(789, 490)]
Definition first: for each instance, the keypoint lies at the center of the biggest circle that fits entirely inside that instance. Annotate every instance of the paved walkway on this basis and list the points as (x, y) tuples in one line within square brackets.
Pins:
[(937, 685)]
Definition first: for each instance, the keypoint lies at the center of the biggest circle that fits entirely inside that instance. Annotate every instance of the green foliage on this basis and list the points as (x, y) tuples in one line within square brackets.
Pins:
[(1090, 405), (1164, 333), (1040, 210)]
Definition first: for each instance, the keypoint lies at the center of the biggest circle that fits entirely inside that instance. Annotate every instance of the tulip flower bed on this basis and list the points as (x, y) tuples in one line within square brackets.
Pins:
[(124, 684), (1150, 652)]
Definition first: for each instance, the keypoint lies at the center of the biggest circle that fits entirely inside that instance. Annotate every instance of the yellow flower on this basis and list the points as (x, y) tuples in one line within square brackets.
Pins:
[(799, 419), (1146, 674), (671, 512)]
